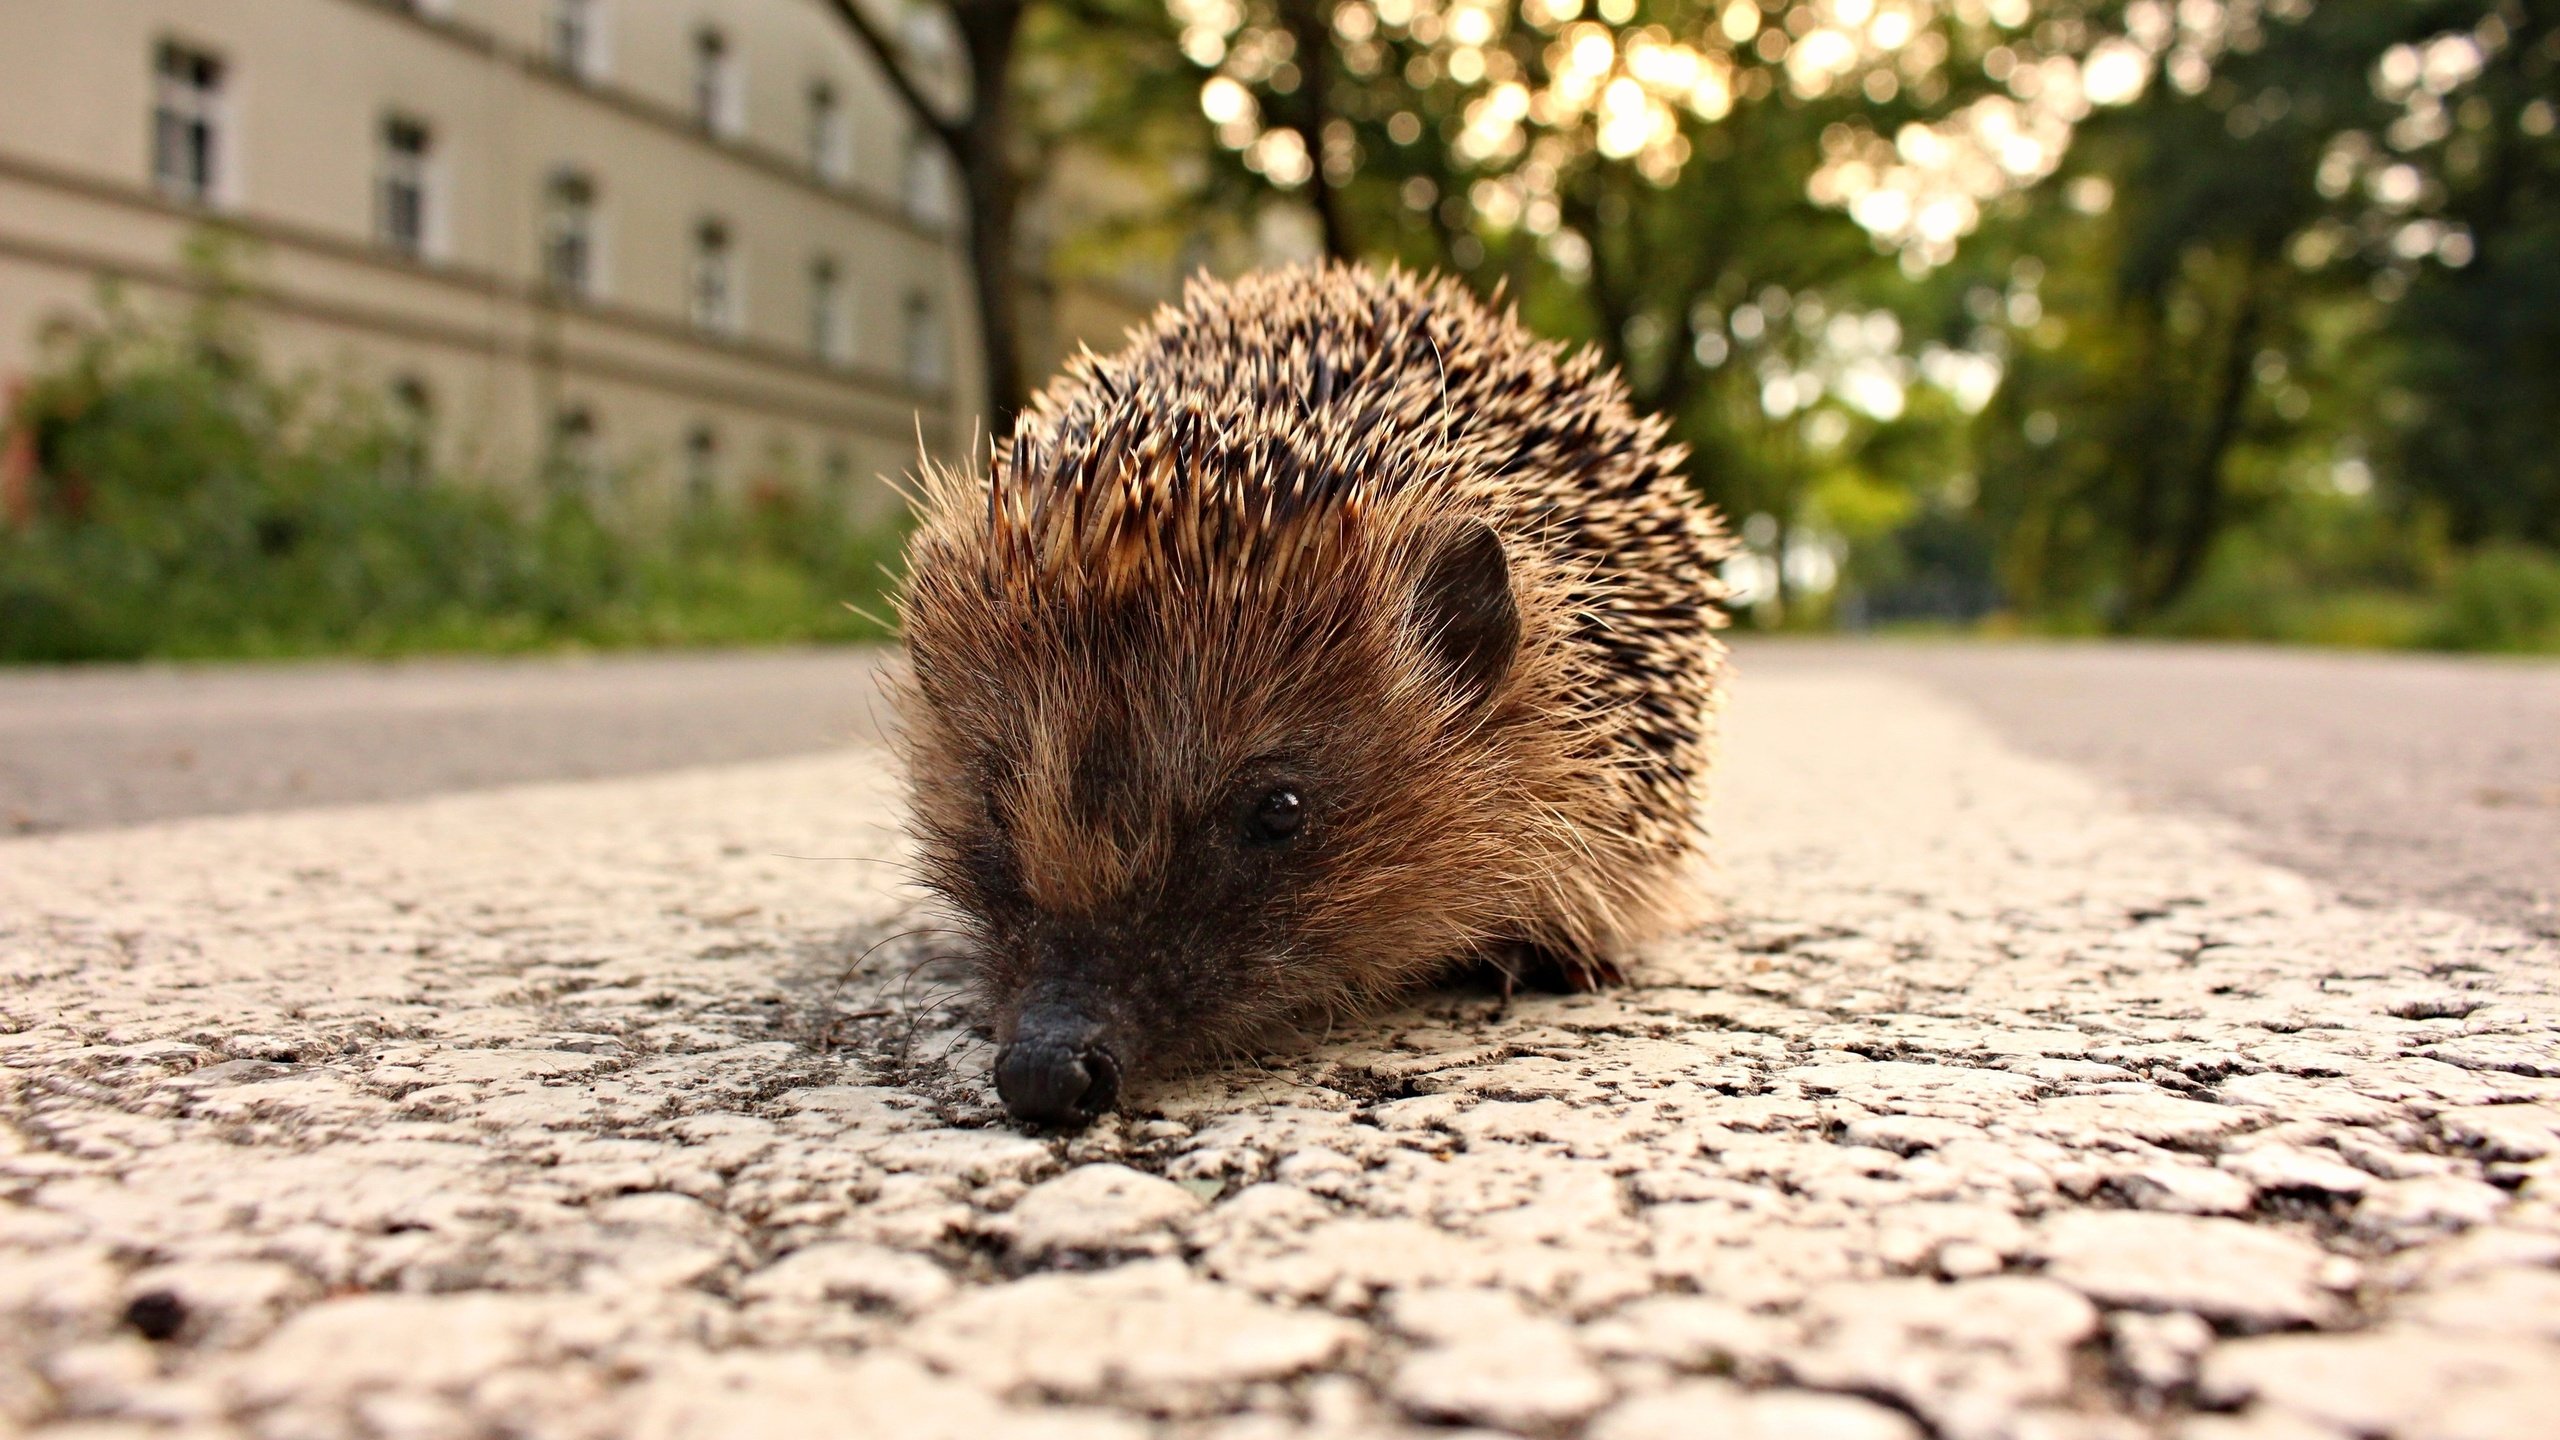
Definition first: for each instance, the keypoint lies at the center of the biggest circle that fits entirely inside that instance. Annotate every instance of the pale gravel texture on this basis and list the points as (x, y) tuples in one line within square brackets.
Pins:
[(1993, 1109)]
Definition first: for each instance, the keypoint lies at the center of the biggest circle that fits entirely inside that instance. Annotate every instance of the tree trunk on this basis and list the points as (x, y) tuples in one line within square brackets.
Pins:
[(2201, 525), (2490, 208), (1611, 304), (2139, 459), (1310, 25), (979, 144), (2200, 522), (984, 154)]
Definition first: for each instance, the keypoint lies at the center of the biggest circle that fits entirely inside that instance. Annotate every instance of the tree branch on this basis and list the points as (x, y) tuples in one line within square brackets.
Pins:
[(943, 128)]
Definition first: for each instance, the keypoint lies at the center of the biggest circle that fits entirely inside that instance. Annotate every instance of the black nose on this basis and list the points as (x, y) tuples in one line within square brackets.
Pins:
[(1057, 1071)]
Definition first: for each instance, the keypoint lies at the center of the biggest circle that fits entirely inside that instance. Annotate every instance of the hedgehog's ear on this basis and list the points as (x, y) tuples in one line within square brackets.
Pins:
[(1464, 609)]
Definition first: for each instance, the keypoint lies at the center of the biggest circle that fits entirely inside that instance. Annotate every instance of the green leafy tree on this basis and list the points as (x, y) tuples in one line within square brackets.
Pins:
[(2455, 197), (2217, 267), (2268, 277), (1650, 178)]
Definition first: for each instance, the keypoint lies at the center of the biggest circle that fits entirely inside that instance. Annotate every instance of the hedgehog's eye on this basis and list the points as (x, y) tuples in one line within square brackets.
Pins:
[(1276, 817)]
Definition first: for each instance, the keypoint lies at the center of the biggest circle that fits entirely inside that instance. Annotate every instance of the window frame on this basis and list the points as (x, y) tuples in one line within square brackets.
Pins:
[(701, 462), (190, 95), (926, 341), (830, 133), (925, 183), (715, 286), (572, 223), (572, 444), (719, 84), (410, 409), (830, 330), (574, 35), (405, 199)]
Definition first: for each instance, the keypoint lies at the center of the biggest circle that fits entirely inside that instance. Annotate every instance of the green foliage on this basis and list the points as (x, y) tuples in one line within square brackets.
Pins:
[(2333, 247), (2504, 597), (189, 505), (2306, 238), (1937, 568), (2250, 591), (2334, 571), (2473, 346)]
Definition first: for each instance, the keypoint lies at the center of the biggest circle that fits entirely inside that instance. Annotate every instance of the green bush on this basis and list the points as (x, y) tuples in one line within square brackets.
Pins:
[(189, 505), (2504, 597), (2282, 590), (2326, 571)]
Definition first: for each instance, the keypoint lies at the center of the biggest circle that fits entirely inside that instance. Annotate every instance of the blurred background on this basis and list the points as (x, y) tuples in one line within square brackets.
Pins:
[(334, 326)]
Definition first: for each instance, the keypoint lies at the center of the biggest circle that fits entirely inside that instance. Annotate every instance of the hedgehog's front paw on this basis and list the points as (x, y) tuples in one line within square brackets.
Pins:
[(1525, 966)]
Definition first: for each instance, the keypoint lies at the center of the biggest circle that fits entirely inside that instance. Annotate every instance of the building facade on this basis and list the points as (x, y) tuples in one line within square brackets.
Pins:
[(681, 242)]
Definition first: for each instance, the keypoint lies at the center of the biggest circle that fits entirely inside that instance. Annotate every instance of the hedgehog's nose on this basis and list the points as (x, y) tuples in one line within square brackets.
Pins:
[(1057, 1071)]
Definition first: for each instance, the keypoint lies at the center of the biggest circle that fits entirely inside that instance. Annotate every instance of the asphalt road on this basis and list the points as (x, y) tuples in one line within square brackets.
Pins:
[(2393, 779), (634, 1107), (2423, 780), (82, 748)]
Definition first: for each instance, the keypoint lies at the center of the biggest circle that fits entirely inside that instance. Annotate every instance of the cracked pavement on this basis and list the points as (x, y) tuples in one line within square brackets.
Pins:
[(1992, 1107)]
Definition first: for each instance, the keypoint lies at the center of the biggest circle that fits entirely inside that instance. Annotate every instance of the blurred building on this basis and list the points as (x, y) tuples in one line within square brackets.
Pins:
[(689, 240)]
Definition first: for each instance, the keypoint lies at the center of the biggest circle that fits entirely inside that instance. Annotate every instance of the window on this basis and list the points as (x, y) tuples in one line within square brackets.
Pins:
[(573, 446), (927, 184), (701, 464), (413, 420), (717, 98), (713, 301), (925, 360), (577, 38), (186, 124), (835, 476), (569, 250), (573, 430), (401, 186), (830, 137), (827, 330)]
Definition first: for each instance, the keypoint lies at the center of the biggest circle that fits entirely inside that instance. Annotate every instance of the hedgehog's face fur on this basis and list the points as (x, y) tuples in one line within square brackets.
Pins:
[(1178, 806)]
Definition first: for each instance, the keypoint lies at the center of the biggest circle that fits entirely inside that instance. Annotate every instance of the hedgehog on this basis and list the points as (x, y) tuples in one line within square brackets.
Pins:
[(1334, 635)]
